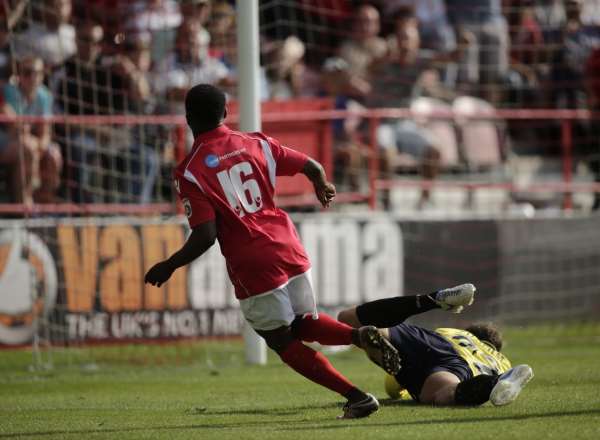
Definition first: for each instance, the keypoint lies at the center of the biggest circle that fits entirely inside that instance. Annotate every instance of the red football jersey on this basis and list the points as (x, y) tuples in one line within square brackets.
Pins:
[(229, 177)]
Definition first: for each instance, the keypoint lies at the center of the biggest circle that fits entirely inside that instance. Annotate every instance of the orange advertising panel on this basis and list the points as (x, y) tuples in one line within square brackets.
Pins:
[(85, 281)]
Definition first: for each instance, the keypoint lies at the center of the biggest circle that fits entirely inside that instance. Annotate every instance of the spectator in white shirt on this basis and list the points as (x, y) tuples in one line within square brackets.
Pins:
[(159, 18), (365, 47), (53, 39)]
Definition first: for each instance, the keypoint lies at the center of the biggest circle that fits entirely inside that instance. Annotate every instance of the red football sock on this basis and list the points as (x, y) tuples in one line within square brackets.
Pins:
[(316, 367), (325, 330)]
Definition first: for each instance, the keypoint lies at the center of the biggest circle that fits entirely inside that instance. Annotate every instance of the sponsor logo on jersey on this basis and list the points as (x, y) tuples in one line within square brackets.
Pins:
[(211, 161), (232, 154), (187, 206)]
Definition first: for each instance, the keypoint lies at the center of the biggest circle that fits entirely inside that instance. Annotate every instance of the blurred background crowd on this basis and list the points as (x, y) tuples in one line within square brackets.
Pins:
[(112, 57)]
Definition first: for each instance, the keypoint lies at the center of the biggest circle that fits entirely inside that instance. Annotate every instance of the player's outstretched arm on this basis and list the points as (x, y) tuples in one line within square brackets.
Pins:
[(200, 240), (324, 189)]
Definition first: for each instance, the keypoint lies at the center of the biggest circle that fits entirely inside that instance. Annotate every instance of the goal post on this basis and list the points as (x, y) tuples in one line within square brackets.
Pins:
[(249, 120)]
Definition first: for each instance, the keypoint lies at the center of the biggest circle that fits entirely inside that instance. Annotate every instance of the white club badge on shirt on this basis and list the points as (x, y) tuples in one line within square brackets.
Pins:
[(187, 206)]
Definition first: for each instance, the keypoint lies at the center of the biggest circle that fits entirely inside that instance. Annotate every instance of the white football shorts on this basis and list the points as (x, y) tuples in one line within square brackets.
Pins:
[(280, 306)]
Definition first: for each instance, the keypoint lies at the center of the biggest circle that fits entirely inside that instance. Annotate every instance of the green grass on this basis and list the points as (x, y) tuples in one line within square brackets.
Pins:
[(175, 398)]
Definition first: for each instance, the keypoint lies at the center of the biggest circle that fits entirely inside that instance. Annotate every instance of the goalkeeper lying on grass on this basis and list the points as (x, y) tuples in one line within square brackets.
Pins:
[(446, 366)]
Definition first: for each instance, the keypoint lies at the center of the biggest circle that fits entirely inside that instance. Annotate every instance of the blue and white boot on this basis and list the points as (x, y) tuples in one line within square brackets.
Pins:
[(454, 299), (510, 384)]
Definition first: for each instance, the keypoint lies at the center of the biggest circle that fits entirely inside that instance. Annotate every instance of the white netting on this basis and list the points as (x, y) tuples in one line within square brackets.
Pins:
[(139, 59)]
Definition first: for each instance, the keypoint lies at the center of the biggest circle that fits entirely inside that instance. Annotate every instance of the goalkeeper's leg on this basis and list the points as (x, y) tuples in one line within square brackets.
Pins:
[(389, 312), (444, 388)]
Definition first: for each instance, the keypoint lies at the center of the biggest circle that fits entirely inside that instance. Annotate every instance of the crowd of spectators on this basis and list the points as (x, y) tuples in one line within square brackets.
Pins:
[(107, 57)]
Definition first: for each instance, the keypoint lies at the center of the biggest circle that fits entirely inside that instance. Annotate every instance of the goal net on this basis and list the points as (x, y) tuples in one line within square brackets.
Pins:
[(86, 215)]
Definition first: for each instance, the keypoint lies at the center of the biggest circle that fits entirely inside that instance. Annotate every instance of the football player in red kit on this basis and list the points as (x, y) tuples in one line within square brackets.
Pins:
[(227, 185)]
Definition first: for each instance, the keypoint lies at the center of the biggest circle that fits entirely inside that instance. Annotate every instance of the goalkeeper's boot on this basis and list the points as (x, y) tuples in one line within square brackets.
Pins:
[(379, 349), (510, 384), (363, 408), (454, 299)]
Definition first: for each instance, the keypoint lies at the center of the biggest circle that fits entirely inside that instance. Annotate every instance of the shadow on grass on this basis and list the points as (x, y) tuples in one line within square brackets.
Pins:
[(398, 402), (267, 411), (195, 412), (454, 421), (293, 425)]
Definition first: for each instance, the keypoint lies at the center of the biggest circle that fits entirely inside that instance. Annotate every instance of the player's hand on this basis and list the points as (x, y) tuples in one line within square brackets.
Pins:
[(325, 193), (159, 274)]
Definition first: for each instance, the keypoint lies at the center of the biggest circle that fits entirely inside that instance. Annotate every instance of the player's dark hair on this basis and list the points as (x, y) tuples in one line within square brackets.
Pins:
[(486, 331), (204, 107)]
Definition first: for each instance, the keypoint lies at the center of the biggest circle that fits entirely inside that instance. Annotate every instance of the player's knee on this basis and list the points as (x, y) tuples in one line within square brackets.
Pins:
[(348, 316), (445, 396), (279, 339), (426, 399)]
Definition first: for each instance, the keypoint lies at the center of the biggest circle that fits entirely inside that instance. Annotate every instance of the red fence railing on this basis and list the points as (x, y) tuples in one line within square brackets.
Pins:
[(321, 118)]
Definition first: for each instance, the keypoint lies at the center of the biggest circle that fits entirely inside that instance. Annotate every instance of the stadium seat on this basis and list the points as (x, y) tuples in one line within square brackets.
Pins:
[(442, 129), (481, 144), (480, 141)]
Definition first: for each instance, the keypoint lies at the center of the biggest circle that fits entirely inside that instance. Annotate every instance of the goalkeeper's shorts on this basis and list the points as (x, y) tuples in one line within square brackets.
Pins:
[(422, 353)]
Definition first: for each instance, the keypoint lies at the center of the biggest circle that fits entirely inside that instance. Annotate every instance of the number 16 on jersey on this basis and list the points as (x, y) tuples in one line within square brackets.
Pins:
[(246, 193)]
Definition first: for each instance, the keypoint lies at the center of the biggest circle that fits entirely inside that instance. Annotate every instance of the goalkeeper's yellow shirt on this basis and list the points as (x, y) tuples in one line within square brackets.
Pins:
[(481, 356)]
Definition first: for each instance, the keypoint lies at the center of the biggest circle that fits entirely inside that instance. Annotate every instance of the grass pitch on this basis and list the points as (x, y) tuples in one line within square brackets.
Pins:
[(217, 397)]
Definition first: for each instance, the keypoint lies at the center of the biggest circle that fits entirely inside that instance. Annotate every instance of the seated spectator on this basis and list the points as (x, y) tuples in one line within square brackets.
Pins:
[(578, 41), (8, 20), (550, 14), (486, 63), (195, 14), (91, 83), (221, 27), (364, 48), (34, 160), (158, 18), (82, 87), (113, 24), (5, 55), (527, 54), (408, 73), (198, 11), (434, 28), (52, 39), (591, 12), (130, 70), (189, 64), (340, 82), (137, 162), (526, 36), (9, 154), (287, 76)]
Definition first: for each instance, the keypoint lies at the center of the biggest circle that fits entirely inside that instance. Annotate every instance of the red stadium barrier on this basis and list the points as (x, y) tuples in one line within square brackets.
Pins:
[(311, 136), (305, 125)]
